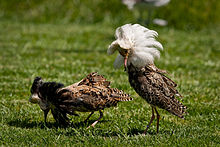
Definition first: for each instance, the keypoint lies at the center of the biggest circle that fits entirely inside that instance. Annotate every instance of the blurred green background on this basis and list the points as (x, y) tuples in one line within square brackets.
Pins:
[(181, 14)]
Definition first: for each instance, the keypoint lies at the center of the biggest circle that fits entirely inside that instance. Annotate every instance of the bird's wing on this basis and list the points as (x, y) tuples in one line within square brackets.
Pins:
[(76, 99), (87, 98), (163, 83), (95, 79), (118, 95), (92, 79), (164, 79), (161, 91), (155, 69)]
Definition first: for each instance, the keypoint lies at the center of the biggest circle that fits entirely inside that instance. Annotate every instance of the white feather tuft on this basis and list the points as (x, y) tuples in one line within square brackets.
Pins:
[(140, 40), (139, 59), (112, 48)]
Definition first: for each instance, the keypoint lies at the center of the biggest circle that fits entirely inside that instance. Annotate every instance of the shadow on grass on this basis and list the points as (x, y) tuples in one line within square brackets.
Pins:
[(135, 131), (81, 128), (26, 123), (83, 124)]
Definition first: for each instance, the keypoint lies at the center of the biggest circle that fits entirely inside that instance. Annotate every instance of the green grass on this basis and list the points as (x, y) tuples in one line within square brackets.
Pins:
[(184, 14), (67, 52)]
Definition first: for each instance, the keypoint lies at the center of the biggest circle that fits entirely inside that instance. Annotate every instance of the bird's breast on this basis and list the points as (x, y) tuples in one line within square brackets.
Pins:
[(142, 85)]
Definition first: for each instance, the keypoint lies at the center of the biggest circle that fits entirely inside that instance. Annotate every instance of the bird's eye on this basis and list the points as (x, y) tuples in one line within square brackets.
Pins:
[(123, 52)]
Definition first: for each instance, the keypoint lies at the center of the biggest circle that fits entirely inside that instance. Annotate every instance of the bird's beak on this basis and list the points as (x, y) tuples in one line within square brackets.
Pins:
[(34, 99), (125, 61)]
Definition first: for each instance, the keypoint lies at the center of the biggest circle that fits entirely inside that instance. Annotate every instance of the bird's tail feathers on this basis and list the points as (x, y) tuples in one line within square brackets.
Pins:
[(177, 108), (119, 95), (123, 99)]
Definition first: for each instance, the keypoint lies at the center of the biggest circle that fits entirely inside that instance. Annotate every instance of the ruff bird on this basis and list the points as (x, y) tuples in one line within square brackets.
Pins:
[(137, 49), (150, 5), (93, 93)]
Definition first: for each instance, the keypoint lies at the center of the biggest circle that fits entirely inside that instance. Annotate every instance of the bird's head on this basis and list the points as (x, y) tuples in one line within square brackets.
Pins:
[(35, 95), (136, 45)]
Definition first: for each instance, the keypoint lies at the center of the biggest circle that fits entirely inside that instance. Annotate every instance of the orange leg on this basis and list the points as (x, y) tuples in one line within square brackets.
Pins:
[(151, 120), (158, 119), (101, 115)]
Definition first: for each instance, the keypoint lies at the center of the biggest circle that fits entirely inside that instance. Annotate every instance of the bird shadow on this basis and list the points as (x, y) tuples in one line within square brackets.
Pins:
[(85, 124), (27, 123), (135, 131)]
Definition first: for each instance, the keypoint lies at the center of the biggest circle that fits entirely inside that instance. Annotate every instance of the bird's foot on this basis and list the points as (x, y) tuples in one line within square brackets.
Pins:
[(145, 132), (89, 127), (93, 125)]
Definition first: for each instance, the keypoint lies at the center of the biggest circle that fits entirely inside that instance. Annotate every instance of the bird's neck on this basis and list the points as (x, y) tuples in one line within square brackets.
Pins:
[(147, 68), (48, 90), (132, 68)]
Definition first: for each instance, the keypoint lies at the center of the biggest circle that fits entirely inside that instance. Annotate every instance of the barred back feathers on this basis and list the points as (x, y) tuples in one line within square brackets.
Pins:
[(93, 93), (137, 49)]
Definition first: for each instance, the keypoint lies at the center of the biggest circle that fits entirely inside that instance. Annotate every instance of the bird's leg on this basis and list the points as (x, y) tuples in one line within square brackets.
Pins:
[(101, 115), (45, 115), (158, 119), (151, 120), (88, 117)]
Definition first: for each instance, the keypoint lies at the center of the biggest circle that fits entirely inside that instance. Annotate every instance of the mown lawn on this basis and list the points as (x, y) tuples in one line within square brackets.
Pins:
[(67, 52)]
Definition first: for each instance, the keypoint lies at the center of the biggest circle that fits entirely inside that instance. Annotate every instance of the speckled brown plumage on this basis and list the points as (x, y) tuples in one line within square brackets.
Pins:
[(93, 93), (138, 48), (157, 89)]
